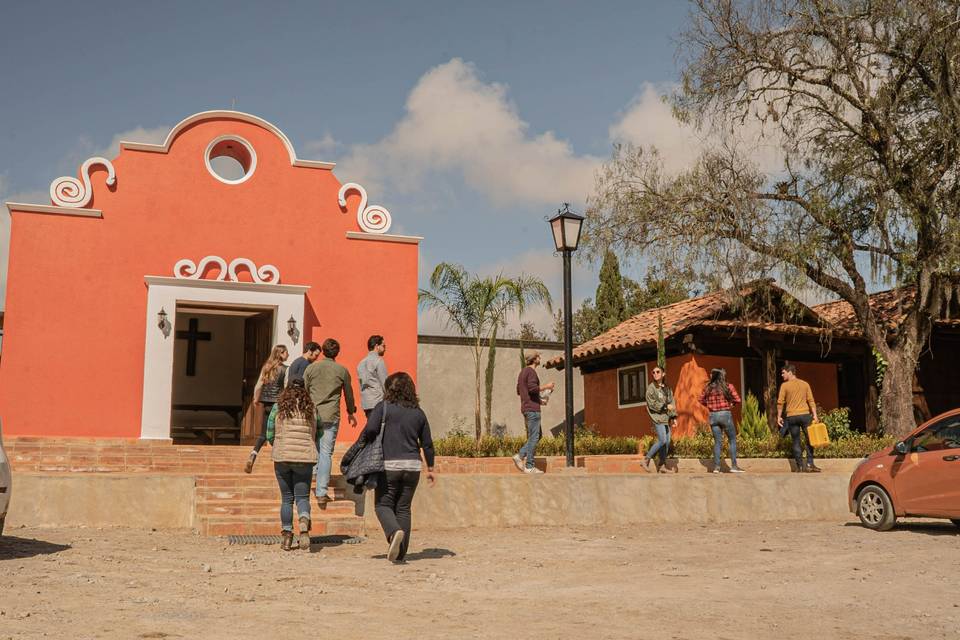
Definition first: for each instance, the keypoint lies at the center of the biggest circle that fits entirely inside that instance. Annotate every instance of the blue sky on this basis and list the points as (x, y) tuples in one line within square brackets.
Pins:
[(471, 122)]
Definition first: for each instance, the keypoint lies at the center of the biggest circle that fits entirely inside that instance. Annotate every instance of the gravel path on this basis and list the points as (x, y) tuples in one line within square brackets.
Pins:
[(782, 580)]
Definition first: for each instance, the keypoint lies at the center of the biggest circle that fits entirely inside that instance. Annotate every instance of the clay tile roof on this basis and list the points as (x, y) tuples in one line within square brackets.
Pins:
[(889, 305), (781, 328), (641, 329)]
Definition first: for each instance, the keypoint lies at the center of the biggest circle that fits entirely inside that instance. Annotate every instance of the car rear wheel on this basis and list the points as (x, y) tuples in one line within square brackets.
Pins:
[(2, 520), (956, 522), (875, 509)]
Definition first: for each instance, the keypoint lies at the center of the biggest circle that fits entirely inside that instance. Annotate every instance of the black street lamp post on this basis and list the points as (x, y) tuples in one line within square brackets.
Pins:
[(566, 236)]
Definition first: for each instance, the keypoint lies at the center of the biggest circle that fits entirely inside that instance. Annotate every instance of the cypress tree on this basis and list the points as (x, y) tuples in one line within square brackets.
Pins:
[(611, 306)]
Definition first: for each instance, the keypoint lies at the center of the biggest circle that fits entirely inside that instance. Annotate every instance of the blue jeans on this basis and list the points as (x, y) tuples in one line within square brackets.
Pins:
[(662, 444), (326, 439), (294, 480), (795, 425), (529, 450), (721, 421)]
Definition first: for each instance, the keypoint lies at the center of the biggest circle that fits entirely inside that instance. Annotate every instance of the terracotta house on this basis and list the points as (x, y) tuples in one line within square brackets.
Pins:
[(751, 335)]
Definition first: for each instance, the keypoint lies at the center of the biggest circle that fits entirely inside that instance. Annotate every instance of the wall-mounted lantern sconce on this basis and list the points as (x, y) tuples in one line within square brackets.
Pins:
[(292, 330), (162, 323)]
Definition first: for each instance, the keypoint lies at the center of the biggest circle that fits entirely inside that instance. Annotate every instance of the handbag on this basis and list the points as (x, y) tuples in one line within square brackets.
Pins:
[(364, 459)]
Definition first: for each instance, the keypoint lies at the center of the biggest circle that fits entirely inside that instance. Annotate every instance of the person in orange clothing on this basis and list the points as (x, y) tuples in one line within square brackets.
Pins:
[(796, 399)]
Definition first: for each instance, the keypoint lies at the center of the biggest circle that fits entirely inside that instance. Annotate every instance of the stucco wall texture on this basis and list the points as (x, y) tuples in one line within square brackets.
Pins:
[(166, 206), (447, 389)]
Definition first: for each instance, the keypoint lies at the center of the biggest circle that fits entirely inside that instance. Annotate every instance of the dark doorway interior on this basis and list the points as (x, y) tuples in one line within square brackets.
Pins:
[(217, 356)]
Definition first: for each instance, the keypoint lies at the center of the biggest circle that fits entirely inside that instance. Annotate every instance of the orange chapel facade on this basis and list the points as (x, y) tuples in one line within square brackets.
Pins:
[(144, 296)]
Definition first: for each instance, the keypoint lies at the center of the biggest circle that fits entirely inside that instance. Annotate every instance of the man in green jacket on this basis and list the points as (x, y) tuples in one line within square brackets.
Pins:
[(325, 381)]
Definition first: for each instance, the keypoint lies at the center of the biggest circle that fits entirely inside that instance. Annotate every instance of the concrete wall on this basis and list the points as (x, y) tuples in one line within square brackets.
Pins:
[(578, 500), (101, 500), (446, 385)]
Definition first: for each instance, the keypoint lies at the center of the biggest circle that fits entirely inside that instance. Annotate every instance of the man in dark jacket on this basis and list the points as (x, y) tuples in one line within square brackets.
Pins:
[(529, 390)]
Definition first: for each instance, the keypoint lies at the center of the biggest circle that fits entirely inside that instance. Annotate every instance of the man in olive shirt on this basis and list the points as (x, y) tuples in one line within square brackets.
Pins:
[(325, 380), (797, 398)]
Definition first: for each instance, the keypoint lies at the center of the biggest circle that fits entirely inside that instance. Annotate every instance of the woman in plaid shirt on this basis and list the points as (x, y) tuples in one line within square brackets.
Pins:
[(719, 396)]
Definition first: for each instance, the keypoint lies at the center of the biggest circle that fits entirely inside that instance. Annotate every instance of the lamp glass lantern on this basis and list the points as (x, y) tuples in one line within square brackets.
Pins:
[(566, 229), (162, 318), (292, 326)]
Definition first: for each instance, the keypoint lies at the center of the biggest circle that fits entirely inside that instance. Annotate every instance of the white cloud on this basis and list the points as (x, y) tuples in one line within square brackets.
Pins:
[(456, 122), (155, 135), (649, 121), (327, 146)]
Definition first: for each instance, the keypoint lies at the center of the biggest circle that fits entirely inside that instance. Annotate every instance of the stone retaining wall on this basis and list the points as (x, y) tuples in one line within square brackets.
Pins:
[(458, 501)]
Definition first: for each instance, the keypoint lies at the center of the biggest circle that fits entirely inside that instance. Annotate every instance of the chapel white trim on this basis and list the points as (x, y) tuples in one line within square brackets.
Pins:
[(164, 292)]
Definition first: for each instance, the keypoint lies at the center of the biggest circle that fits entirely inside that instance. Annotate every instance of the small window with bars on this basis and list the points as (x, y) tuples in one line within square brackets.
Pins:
[(631, 387)]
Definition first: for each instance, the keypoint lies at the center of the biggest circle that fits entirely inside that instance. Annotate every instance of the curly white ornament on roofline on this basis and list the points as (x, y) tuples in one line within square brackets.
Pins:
[(189, 270), (67, 191), (372, 219)]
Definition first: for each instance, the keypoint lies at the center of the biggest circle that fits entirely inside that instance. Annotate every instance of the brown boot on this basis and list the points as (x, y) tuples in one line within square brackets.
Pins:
[(287, 543), (304, 533), (248, 467)]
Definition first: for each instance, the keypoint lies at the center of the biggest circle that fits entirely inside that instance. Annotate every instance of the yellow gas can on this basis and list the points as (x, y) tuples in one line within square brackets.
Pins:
[(817, 432)]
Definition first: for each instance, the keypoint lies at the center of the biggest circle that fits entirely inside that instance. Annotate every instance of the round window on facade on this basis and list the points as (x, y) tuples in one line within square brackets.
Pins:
[(230, 159)]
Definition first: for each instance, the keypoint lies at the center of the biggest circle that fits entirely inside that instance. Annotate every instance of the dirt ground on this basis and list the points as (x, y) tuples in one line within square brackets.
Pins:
[(784, 580)]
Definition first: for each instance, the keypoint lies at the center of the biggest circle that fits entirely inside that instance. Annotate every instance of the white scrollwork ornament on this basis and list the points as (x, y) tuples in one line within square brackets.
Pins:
[(188, 269), (265, 274), (67, 191), (372, 219)]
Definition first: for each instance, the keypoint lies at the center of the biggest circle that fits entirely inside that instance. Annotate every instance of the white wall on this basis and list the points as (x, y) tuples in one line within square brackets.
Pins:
[(219, 374)]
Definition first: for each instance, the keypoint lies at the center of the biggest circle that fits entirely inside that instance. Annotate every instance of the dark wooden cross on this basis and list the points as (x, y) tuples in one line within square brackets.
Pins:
[(192, 335)]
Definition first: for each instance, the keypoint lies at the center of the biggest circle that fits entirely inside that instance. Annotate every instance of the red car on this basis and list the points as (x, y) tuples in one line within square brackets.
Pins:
[(918, 477)]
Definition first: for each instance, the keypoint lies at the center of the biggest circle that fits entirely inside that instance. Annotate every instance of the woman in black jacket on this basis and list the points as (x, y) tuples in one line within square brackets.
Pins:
[(405, 433)]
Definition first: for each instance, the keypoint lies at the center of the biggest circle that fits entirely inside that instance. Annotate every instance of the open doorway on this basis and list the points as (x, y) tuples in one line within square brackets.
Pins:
[(218, 352)]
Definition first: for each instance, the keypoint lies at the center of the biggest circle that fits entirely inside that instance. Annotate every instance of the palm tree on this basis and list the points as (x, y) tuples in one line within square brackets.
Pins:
[(476, 307)]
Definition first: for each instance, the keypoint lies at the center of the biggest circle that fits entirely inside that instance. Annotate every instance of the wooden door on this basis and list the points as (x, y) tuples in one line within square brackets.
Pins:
[(257, 335)]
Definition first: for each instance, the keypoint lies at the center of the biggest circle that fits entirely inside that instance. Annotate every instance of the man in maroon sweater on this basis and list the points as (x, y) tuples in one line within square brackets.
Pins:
[(529, 388)]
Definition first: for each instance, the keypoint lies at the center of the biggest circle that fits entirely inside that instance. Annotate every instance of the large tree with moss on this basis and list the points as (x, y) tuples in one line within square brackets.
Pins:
[(863, 100)]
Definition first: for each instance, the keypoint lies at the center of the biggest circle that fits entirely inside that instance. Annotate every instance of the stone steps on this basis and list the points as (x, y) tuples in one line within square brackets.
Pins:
[(240, 503), (223, 525)]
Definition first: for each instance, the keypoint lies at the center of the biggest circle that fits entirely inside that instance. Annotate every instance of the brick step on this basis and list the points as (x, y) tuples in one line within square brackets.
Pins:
[(249, 493), (242, 480), (337, 508), (266, 525)]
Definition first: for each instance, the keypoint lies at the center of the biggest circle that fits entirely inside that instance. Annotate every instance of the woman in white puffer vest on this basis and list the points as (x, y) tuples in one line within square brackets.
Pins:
[(292, 430)]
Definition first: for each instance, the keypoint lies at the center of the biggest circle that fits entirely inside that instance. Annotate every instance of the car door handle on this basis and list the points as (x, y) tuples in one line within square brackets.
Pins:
[(951, 458)]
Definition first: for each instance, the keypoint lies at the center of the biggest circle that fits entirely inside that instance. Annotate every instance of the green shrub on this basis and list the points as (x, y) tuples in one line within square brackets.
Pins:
[(838, 423), (753, 424), (772, 446), (585, 443)]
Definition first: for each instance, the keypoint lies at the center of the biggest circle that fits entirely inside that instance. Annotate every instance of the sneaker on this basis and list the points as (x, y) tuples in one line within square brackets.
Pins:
[(532, 470), (304, 541), (736, 470), (812, 468), (716, 470), (322, 501), (517, 460), (248, 466), (393, 551)]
